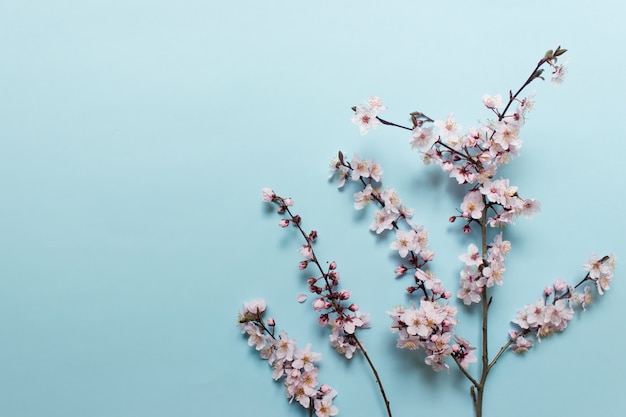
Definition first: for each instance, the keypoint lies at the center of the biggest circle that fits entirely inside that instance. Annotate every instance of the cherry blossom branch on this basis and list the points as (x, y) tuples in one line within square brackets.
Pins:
[(430, 326), (343, 324), (412, 244), (473, 158), (295, 366)]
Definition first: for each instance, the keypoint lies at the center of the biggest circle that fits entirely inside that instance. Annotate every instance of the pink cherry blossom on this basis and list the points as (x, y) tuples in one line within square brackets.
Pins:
[(473, 205), (405, 242), (493, 102), (365, 118), (422, 138), (448, 130), (472, 257)]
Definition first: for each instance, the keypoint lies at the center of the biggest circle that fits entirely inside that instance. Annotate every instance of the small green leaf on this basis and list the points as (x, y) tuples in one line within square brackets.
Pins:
[(559, 51)]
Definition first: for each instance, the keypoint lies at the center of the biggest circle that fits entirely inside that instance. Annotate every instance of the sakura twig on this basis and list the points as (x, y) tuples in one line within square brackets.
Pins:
[(428, 327), (295, 366), (473, 159), (343, 318)]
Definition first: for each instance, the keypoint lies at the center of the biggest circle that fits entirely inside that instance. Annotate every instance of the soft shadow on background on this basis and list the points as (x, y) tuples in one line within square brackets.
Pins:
[(136, 136)]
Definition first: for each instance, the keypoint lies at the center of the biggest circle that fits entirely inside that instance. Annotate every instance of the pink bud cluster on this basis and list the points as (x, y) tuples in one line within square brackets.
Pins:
[(480, 272), (336, 311), (428, 328), (296, 367), (552, 312)]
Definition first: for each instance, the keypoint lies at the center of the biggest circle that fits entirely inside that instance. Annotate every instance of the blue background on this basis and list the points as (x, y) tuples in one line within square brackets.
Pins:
[(135, 137)]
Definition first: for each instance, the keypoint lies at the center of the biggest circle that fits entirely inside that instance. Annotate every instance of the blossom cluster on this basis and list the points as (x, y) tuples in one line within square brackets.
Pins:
[(296, 367), (343, 317), (479, 273), (366, 116), (429, 328), (469, 157), (498, 200), (473, 158), (551, 313), (412, 243)]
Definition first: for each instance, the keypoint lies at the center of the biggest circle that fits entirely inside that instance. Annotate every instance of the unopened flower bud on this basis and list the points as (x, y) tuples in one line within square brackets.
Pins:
[(319, 304), (467, 229), (288, 202), (312, 235), (306, 251), (446, 295), (325, 389), (410, 290), (427, 255), (344, 295), (333, 265), (267, 194), (452, 219), (302, 265), (400, 270), (354, 307), (560, 285), (296, 219), (547, 291), (284, 223), (271, 322)]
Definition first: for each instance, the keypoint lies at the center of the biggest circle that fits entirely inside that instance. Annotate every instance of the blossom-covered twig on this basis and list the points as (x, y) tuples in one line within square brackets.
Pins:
[(472, 159), (552, 312), (293, 365), (412, 240), (430, 325), (344, 318)]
